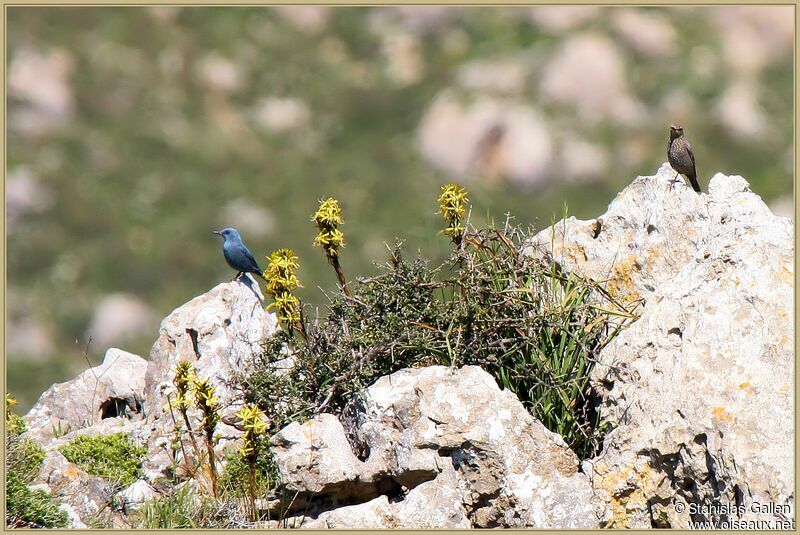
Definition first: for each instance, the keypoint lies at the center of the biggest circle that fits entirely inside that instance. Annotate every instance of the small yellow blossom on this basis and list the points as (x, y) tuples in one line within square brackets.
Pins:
[(281, 282), (254, 426), (329, 213), (207, 401), (328, 217), (184, 376), (452, 206)]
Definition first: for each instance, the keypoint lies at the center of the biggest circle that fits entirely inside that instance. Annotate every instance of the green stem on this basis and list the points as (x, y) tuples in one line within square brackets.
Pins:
[(252, 477), (212, 459)]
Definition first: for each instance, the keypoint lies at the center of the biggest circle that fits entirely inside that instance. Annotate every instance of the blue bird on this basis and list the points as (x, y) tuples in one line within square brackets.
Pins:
[(237, 254)]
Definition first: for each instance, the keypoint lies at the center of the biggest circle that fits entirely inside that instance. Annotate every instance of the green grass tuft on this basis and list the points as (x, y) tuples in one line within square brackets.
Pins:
[(24, 457), (178, 510), (114, 457), (235, 479), (26, 508)]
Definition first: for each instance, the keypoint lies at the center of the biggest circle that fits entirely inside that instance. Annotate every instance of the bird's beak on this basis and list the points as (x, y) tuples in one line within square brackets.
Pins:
[(217, 232)]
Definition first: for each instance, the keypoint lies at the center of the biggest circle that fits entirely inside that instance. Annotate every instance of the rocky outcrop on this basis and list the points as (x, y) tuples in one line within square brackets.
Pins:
[(696, 394), (83, 494), (494, 465), (699, 389), (218, 332), (113, 389)]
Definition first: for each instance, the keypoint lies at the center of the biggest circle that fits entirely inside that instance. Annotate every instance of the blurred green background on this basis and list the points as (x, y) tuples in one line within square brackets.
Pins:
[(135, 131)]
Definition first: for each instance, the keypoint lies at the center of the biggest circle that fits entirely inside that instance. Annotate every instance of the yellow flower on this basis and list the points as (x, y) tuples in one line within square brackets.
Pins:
[(329, 213), (10, 402), (244, 413), (207, 401), (277, 285), (181, 402), (245, 449), (453, 195), (252, 419), (280, 273), (452, 206), (288, 307), (283, 261), (254, 426), (328, 218)]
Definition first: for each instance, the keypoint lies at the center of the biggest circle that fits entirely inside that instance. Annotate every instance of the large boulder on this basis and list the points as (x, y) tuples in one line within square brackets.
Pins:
[(218, 332), (699, 390), (437, 428), (85, 495), (114, 389)]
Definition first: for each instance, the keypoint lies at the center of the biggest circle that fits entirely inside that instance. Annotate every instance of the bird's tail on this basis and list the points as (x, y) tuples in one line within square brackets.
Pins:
[(263, 276), (695, 184)]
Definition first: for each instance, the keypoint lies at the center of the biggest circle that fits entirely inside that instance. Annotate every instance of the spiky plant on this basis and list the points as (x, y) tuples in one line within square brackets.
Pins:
[(208, 404), (282, 281), (328, 218), (182, 379), (255, 428), (452, 206)]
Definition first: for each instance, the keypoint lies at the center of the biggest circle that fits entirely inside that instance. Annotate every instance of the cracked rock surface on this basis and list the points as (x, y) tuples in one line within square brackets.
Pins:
[(700, 388), (456, 431)]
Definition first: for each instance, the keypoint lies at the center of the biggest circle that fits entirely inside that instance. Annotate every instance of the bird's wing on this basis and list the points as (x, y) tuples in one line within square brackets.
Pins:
[(251, 259), (691, 154)]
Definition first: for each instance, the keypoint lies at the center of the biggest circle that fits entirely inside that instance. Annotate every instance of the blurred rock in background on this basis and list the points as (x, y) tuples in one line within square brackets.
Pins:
[(118, 318), (39, 81), (24, 194), (133, 132)]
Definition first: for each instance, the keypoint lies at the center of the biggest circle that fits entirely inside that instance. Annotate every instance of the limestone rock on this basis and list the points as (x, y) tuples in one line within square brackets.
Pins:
[(559, 19), (432, 505), (220, 73), (739, 111), (73, 519), (218, 332), (504, 75), (279, 115), (646, 32), (698, 389), (512, 472), (753, 37), (113, 389), (308, 19), (136, 494), (40, 79), (435, 504), (84, 494), (588, 73), (25, 193), (322, 443), (451, 436), (374, 514)]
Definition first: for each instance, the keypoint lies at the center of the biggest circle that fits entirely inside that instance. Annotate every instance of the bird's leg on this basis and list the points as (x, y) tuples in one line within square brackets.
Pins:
[(237, 276), (674, 180)]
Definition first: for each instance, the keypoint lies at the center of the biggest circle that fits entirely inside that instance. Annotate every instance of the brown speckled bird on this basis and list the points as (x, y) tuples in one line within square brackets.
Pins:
[(681, 157)]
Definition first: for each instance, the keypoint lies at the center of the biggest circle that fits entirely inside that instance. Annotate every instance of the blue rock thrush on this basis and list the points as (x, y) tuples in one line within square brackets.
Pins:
[(237, 254)]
